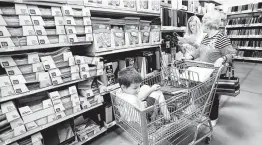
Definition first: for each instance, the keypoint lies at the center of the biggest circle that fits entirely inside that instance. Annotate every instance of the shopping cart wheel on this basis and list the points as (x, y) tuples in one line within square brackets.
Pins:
[(208, 140)]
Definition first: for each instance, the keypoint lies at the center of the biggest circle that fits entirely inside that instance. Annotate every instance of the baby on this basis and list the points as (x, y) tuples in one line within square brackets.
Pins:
[(140, 97)]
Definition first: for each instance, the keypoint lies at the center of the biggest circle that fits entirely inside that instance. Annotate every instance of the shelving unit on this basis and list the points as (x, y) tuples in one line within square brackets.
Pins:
[(28, 133), (124, 49), (248, 22), (105, 12)]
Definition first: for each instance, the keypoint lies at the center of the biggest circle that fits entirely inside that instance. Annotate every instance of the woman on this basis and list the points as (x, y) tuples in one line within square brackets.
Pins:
[(215, 48), (193, 36)]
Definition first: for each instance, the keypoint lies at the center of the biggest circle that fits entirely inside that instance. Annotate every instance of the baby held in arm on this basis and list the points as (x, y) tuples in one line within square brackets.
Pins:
[(138, 96)]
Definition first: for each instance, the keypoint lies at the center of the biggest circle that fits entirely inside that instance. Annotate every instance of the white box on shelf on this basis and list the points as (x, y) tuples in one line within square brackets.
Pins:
[(38, 21), (74, 69), (87, 21), (59, 107), (115, 4), (56, 11), (75, 100), (60, 115), (40, 30), (19, 130), (38, 115), (88, 29), (13, 115), (16, 123), (84, 75), (59, 21), (5, 81), (7, 91), (43, 40), (57, 80), (54, 73), (69, 21), (76, 109), (18, 79), (130, 5), (34, 10), (86, 92), (36, 137), (84, 67), (54, 95), (70, 29), (21, 9), (7, 107), (51, 118), (143, 5), (67, 10), (72, 38), (57, 101), (20, 88), (31, 125), (89, 37)]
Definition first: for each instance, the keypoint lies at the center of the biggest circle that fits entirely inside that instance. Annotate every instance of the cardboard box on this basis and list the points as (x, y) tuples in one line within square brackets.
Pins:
[(87, 21), (57, 101), (69, 21), (40, 30), (31, 125), (20, 88), (21, 9), (34, 10), (19, 130), (16, 123), (44, 79), (85, 75), (58, 108), (70, 30), (51, 118), (84, 67), (72, 38), (88, 30), (86, 92), (7, 91), (67, 10), (60, 115), (48, 62), (54, 73), (7, 61), (5, 81), (26, 110), (43, 40), (57, 80), (13, 115), (54, 95), (38, 115), (18, 79), (89, 37), (38, 21), (87, 102), (59, 21), (75, 100), (7, 107), (56, 11)]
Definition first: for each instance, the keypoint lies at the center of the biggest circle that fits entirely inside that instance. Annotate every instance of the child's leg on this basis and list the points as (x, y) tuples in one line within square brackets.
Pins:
[(158, 95)]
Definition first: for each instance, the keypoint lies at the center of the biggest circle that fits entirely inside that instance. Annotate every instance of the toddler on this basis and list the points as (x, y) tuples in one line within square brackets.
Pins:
[(140, 97)]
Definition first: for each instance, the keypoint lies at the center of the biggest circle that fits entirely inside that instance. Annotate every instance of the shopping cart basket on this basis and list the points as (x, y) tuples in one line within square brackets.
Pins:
[(188, 100)]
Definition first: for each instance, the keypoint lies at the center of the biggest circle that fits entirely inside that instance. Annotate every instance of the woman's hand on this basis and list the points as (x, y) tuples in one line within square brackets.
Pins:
[(219, 62)]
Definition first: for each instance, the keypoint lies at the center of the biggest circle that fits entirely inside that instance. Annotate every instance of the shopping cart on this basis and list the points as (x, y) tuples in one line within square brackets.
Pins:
[(188, 100)]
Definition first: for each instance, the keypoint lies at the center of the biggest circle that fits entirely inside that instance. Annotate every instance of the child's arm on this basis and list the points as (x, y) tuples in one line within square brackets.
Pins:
[(146, 90)]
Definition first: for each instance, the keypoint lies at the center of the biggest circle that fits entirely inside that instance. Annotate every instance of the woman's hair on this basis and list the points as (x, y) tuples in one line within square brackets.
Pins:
[(198, 26), (212, 20)]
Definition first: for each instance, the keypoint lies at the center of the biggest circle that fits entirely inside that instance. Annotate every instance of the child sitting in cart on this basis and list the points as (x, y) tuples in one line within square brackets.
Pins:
[(138, 96)]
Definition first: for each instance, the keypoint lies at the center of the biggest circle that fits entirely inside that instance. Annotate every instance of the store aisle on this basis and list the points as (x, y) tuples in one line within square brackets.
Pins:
[(239, 121)]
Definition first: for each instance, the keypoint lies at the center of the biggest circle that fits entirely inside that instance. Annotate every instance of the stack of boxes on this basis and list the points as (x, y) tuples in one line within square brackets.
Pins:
[(61, 67), (11, 123), (89, 92), (35, 110), (26, 72), (85, 128), (155, 34), (16, 27), (35, 139), (65, 101), (78, 24)]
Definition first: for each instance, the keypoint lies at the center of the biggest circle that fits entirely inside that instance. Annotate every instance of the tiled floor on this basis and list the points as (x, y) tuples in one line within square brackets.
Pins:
[(240, 119)]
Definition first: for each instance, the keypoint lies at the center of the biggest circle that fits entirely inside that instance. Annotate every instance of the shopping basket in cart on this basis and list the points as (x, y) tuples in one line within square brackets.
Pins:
[(189, 101)]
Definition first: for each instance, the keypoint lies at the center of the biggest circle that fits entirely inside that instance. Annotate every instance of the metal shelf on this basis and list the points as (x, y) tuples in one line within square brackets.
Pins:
[(3, 99), (124, 49), (39, 47), (248, 58), (250, 48), (48, 125), (244, 36), (244, 26), (171, 29), (120, 12)]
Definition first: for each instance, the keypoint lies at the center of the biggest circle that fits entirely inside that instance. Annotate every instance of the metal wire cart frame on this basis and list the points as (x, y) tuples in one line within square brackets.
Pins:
[(188, 100)]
